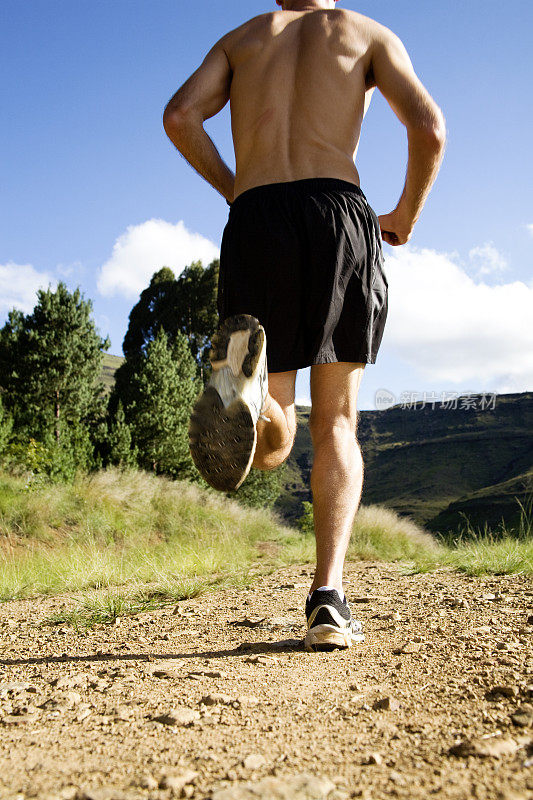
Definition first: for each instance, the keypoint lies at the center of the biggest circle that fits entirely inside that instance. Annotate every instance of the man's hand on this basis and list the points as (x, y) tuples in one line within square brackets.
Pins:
[(394, 229)]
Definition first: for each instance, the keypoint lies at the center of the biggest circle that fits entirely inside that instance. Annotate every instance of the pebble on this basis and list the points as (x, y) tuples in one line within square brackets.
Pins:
[(84, 711), (523, 716), (410, 647), (178, 716), (71, 681), (303, 787), (165, 670), (485, 747), (386, 704), (374, 758), (254, 761), (217, 699), (502, 691), (247, 700), (176, 782)]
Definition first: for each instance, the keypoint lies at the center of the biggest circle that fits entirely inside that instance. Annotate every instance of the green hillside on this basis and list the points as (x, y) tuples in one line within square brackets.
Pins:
[(109, 366), (433, 464)]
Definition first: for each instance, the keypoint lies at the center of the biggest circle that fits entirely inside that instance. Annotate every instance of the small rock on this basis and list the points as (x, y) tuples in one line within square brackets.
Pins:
[(374, 758), (177, 781), (72, 698), (412, 647), (523, 716), (263, 660), (254, 761), (68, 793), (214, 699), (71, 681), (485, 747), (386, 704), (178, 716), (303, 787), (84, 711), (123, 713), (247, 622), (247, 700), (165, 669), (502, 691)]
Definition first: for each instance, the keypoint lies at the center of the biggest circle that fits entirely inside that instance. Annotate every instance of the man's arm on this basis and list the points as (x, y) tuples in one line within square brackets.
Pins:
[(202, 96), (395, 77)]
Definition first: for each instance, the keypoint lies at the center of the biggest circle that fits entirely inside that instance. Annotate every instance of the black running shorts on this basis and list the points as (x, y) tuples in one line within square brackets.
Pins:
[(305, 258)]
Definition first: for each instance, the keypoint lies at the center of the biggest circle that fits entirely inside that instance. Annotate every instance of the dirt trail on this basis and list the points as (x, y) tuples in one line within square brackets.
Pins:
[(212, 702)]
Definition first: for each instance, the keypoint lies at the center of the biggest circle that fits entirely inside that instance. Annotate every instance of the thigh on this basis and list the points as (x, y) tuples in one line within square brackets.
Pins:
[(281, 386), (334, 392)]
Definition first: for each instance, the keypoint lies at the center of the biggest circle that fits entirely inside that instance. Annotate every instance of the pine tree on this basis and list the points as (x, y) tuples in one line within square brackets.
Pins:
[(187, 304), (50, 364), (163, 390), (121, 449), (6, 427)]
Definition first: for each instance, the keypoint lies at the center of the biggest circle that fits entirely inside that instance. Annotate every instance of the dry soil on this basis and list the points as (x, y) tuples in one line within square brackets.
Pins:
[(216, 698)]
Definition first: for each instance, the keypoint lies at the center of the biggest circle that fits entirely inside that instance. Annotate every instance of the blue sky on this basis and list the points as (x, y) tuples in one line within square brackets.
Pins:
[(89, 178)]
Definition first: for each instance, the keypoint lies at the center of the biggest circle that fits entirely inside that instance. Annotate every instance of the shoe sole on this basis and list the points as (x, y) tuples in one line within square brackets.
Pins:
[(222, 440), (325, 638)]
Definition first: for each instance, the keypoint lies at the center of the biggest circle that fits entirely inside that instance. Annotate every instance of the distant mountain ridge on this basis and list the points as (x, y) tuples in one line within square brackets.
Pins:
[(432, 464), (435, 464)]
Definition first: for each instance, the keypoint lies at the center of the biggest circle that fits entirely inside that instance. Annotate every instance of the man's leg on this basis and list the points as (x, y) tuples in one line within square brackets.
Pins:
[(276, 438), (337, 474)]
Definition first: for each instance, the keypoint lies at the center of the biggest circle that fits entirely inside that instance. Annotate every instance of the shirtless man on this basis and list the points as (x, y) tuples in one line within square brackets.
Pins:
[(301, 268)]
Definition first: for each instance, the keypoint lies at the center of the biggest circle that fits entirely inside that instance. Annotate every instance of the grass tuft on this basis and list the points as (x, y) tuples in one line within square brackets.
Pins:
[(131, 541)]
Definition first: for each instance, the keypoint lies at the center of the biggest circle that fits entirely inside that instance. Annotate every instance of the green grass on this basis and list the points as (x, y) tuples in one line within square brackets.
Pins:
[(124, 542), (126, 529)]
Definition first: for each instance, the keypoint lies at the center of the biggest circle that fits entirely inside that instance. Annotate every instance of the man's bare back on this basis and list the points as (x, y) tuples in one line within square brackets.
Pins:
[(297, 95), (299, 81)]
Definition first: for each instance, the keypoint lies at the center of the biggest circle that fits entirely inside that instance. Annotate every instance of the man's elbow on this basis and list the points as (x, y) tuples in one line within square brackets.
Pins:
[(173, 120), (430, 132), (438, 129)]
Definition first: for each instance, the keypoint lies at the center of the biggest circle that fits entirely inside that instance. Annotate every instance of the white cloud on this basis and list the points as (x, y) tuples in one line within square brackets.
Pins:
[(453, 328), (143, 249), (19, 284), (487, 260)]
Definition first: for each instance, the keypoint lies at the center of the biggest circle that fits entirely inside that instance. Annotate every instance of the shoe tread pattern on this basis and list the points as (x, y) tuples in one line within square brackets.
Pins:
[(222, 460)]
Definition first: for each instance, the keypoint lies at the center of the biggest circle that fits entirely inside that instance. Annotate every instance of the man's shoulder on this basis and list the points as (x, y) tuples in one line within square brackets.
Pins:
[(257, 20), (368, 23)]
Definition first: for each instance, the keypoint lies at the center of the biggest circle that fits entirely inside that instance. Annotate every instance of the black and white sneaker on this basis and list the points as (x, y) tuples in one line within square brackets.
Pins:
[(222, 428), (330, 624)]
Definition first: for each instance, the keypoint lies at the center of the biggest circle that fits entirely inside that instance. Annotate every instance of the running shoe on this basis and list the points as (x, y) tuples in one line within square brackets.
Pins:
[(330, 624), (223, 424)]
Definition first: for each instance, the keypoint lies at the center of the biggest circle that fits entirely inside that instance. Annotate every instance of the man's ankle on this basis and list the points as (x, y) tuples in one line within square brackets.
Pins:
[(328, 587)]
